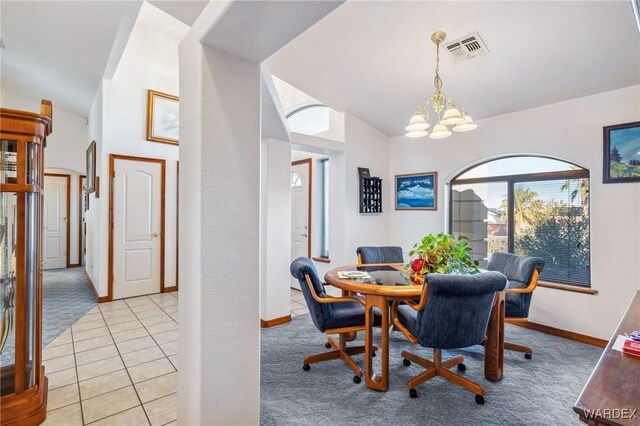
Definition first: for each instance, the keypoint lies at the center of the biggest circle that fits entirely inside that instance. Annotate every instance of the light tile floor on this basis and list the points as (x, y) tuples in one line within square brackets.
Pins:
[(117, 365), (298, 305)]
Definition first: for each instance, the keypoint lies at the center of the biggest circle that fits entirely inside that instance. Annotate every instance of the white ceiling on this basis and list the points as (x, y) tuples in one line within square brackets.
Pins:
[(376, 59), (59, 50), (186, 11)]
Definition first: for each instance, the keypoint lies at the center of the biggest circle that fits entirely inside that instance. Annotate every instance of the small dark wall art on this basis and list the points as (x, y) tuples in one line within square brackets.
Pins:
[(621, 153)]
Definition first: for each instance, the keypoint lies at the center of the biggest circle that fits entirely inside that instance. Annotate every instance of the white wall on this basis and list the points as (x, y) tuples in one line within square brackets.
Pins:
[(67, 143), (149, 61), (92, 215), (275, 228), (220, 258), (571, 131)]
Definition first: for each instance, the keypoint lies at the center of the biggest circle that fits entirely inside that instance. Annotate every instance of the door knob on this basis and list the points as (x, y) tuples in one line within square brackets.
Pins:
[(154, 235), (305, 235)]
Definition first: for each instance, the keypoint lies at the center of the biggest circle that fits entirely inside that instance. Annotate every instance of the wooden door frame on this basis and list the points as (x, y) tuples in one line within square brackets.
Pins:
[(177, 222), (310, 203), (68, 206), (80, 198), (112, 174)]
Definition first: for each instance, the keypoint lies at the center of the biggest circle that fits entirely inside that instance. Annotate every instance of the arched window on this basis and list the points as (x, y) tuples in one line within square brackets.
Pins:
[(526, 205), (309, 119), (295, 180)]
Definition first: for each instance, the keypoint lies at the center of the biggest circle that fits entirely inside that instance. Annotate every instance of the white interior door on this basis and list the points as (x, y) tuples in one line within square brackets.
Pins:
[(137, 204), (300, 201), (55, 222)]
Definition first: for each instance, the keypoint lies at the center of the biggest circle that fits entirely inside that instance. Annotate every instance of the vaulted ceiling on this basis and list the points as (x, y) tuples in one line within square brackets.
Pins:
[(61, 50), (373, 59), (376, 59)]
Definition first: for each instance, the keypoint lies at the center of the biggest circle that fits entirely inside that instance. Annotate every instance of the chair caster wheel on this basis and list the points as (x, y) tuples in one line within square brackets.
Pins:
[(413, 393), (373, 354), (527, 356), (462, 367), (327, 345), (356, 379), (407, 363), (480, 399), (306, 367)]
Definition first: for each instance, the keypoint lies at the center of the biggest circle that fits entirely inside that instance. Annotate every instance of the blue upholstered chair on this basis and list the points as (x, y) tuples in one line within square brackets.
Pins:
[(453, 312), (389, 254), (522, 273), (331, 315)]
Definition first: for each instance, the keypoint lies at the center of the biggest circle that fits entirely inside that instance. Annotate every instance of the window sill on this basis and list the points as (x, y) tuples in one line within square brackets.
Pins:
[(566, 287), (321, 259)]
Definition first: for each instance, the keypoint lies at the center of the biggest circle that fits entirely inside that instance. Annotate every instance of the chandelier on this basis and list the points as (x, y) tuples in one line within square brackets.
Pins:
[(445, 108)]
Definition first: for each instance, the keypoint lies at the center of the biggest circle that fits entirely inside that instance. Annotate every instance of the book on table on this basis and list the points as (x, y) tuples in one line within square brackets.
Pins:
[(353, 275), (631, 347)]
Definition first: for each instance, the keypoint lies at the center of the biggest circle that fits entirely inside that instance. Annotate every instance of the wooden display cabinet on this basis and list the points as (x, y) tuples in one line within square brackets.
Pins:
[(23, 385)]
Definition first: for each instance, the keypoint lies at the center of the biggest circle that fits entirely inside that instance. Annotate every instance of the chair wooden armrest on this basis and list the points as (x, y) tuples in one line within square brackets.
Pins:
[(424, 295), (413, 305), (398, 325), (331, 299), (529, 288)]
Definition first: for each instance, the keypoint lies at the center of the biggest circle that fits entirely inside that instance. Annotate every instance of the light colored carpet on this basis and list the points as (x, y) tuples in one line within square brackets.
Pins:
[(537, 391)]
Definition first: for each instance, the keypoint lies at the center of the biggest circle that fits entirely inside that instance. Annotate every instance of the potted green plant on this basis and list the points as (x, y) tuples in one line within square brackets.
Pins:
[(441, 253)]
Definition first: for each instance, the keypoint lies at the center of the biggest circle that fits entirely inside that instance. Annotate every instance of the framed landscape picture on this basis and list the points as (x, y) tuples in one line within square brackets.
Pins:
[(417, 191), (621, 153), (91, 167), (163, 117)]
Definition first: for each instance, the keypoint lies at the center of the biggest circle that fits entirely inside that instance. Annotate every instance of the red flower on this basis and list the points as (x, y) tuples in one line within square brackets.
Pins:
[(418, 264)]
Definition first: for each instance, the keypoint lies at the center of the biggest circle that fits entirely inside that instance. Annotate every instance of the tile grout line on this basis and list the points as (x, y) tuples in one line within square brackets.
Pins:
[(177, 329), (161, 349), (75, 362), (128, 374)]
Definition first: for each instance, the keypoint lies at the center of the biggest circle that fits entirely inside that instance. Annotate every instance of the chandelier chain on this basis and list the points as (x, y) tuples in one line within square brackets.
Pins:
[(437, 81)]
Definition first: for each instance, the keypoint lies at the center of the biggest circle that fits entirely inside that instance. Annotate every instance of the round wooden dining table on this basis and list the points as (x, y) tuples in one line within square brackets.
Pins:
[(385, 282)]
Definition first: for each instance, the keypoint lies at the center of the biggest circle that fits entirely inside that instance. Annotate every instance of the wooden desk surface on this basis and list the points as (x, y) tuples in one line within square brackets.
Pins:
[(615, 382)]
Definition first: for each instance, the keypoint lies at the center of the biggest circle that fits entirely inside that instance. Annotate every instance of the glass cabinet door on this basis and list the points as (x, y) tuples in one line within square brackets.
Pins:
[(8, 241), (8, 161)]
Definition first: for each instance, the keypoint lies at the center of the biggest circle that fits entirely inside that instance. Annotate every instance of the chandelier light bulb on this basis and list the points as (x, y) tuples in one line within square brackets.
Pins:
[(417, 134), (417, 123), (452, 116), (466, 125), (440, 131)]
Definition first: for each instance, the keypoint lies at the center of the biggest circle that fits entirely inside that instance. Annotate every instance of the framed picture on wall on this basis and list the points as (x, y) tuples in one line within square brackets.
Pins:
[(163, 117), (417, 191), (91, 167), (621, 153)]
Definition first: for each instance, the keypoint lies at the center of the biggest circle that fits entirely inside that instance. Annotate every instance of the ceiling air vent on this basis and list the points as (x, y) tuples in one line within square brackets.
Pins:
[(467, 47)]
